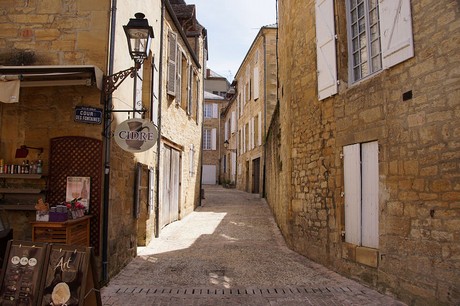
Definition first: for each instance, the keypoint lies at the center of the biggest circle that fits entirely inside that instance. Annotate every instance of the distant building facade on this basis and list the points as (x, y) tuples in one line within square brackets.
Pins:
[(255, 102), (216, 84), (230, 142), (212, 137)]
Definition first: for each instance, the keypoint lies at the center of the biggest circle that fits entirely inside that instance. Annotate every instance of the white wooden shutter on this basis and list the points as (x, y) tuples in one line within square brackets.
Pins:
[(251, 132), (233, 125), (215, 110), (233, 168), (325, 49), (192, 160), (179, 78), (172, 57), (213, 139), (256, 83), (226, 131), (191, 97), (395, 31), (370, 194), (352, 184), (260, 129), (244, 138)]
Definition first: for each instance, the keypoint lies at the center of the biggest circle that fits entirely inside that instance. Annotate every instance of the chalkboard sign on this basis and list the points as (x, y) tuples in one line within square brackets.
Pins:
[(22, 273), (47, 274)]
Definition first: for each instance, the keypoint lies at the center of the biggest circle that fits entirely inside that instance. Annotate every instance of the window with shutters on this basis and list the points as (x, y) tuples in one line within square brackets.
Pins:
[(365, 52), (190, 91), (192, 160), (172, 59), (181, 79), (208, 110), (361, 188), (256, 83), (233, 122), (379, 35), (209, 139)]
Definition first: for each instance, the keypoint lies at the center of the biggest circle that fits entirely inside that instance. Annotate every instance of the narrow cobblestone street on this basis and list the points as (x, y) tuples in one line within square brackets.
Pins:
[(230, 252)]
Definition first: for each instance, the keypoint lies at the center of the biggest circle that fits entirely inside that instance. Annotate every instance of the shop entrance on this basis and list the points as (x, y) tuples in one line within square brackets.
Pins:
[(170, 186), (256, 175)]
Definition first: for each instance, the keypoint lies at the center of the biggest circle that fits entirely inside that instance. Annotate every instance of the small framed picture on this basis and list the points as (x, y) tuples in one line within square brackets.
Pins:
[(78, 187)]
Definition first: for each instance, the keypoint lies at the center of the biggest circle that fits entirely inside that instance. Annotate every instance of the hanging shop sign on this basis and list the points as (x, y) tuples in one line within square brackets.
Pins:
[(136, 135), (86, 114)]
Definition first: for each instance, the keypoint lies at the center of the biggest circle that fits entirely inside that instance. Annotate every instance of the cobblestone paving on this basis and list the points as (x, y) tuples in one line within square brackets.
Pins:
[(230, 252)]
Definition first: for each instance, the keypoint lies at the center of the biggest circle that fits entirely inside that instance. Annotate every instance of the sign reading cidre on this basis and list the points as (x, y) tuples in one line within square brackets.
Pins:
[(136, 135)]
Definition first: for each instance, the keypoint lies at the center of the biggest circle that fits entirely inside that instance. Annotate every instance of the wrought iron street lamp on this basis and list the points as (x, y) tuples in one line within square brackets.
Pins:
[(227, 148), (139, 35)]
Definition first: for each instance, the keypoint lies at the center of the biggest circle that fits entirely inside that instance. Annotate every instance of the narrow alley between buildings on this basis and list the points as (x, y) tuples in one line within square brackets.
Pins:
[(230, 252)]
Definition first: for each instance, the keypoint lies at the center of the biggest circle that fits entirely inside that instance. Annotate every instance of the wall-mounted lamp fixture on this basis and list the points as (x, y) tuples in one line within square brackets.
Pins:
[(139, 35), (23, 151), (227, 148)]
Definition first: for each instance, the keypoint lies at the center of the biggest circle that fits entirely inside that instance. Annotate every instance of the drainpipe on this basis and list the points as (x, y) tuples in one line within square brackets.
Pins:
[(107, 123), (160, 98), (265, 114)]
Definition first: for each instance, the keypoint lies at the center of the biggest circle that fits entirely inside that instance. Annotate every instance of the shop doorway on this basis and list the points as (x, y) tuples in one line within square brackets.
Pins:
[(256, 175), (170, 186)]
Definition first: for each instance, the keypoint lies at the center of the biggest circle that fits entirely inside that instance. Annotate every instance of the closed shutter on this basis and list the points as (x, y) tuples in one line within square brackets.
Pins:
[(352, 184), (213, 139), (151, 190), (233, 125), (395, 31), (215, 112), (260, 129), (172, 57), (256, 83), (179, 79), (226, 131), (251, 133), (233, 167), (190, 95), (370, 194), (325, 49), (244, 138)]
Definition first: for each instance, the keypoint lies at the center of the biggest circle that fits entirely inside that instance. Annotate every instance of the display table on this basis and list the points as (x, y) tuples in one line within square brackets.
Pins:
[(72, 232)]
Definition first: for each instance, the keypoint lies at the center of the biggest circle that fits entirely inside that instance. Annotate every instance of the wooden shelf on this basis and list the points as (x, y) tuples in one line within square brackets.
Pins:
[(21, 176), (17, 206), (20, 190)]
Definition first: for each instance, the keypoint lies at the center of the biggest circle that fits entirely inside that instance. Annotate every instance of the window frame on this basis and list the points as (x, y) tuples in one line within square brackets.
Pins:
[(370, 55)]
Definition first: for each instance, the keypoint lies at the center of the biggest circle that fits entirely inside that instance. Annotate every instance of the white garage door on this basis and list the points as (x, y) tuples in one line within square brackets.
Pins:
[(209, 174)]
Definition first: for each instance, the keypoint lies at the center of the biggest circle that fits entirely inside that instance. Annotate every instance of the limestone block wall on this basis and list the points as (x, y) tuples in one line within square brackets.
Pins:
[(185, 129), (412, 110), (56, 32), (256, 92)]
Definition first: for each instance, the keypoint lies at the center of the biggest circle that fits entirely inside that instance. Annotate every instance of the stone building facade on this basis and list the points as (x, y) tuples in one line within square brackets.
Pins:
[(229, 154), (212, 136), (362, 170), (256, 100), (74, 43)]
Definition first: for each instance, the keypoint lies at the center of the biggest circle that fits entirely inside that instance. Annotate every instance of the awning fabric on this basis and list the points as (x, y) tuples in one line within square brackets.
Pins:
[(39, 76), (9, 89)]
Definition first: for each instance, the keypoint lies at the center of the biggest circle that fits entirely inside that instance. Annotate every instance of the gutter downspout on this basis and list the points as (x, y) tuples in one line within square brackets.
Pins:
[(160, 98), (265, 115), (107, 123)]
